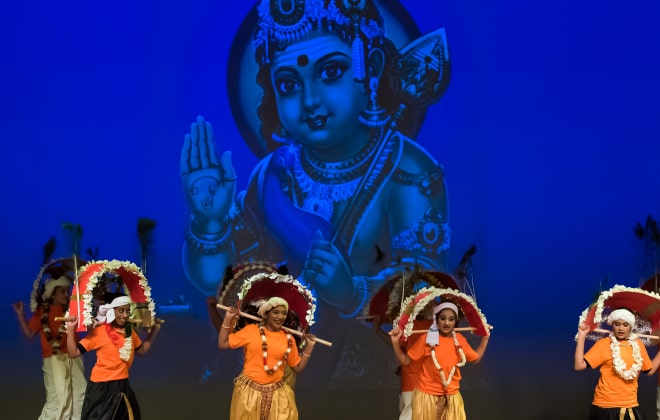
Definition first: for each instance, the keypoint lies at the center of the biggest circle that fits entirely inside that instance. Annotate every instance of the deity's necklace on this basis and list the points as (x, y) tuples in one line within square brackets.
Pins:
[(342, 171), (322, 184)]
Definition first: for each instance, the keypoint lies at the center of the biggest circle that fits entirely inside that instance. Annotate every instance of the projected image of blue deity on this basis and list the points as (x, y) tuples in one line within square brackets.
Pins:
[(331, 98)]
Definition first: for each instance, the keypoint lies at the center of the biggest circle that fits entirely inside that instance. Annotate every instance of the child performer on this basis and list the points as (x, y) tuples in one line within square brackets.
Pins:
[(621, 357), (408, 374), (109, 395), (64, 378), (260, 392), (442, 352)]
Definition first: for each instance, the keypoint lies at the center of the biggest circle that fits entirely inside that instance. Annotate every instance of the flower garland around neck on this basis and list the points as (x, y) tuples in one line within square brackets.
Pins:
[(57, 341), (115, 337), (619, 364), (264, 347), (445, 380)]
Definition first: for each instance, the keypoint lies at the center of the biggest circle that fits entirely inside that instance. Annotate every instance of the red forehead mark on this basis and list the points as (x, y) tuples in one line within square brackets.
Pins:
[(303, 60)]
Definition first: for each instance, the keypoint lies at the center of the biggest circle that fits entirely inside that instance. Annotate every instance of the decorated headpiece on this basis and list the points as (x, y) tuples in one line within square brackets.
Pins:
[(636, 306), (417, 303), (282, 23), (261, 288), (50, 286), (92, 285)]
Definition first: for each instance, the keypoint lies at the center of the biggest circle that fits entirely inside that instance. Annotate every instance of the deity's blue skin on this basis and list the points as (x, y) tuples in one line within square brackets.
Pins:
[(299, 193), (319, 102)]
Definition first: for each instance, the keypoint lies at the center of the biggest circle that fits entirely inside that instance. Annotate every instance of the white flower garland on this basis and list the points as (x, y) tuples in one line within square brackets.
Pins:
[(446, 381), (35, 287), (600, 303), (114, 265), (606, 294), (279, 278), (619, 364), (264, 347), (433, 292), (55, 342), (125, 350)]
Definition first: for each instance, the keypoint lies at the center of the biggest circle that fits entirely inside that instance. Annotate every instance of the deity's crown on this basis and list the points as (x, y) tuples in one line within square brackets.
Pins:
[(286, 21)]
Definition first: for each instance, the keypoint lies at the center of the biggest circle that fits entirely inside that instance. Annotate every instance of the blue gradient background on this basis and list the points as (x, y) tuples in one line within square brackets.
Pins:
[(549, 135)]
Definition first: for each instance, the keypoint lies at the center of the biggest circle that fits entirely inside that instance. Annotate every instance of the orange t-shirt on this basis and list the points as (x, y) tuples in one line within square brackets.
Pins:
[(410, 372), (446, 353), (109, 366), (612, 390), (35, 325), (250, 339)]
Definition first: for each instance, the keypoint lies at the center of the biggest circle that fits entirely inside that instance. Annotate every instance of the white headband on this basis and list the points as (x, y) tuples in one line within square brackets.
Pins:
[(445, 305), (433, 335), (623, 315), (105, 315)]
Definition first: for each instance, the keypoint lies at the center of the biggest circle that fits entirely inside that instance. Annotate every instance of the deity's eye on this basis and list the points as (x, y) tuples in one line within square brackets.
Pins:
[(286, 85), (333, 70)]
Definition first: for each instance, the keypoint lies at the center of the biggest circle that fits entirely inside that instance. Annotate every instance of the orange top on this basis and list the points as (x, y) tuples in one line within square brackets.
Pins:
[(109, 366), (410, 372), (35, 325), (250, 339), (446, 353), (612, 390)]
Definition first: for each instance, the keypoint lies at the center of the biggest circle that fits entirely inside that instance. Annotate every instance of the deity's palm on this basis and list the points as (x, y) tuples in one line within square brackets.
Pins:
[(208, 184)]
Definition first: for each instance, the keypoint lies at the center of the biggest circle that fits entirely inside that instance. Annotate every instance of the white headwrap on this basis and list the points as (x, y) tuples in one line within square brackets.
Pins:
[(105, 315), (621, 314), (270, 304), (50, 286), (433, 335)]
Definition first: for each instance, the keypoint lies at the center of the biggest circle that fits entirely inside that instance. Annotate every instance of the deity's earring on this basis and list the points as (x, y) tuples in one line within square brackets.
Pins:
[(283, 137), (374, 115)]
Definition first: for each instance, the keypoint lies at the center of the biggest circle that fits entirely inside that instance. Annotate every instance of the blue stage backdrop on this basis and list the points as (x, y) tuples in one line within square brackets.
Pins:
[(528, 129)]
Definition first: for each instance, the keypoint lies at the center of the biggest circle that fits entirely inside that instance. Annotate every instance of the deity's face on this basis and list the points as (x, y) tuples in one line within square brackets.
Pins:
[(621, 329), (275, 318), (318, 101), (61, 295), (446, 320), (122, 313)]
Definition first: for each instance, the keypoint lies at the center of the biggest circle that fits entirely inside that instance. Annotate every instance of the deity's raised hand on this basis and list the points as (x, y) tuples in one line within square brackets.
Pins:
[(208, 183)]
